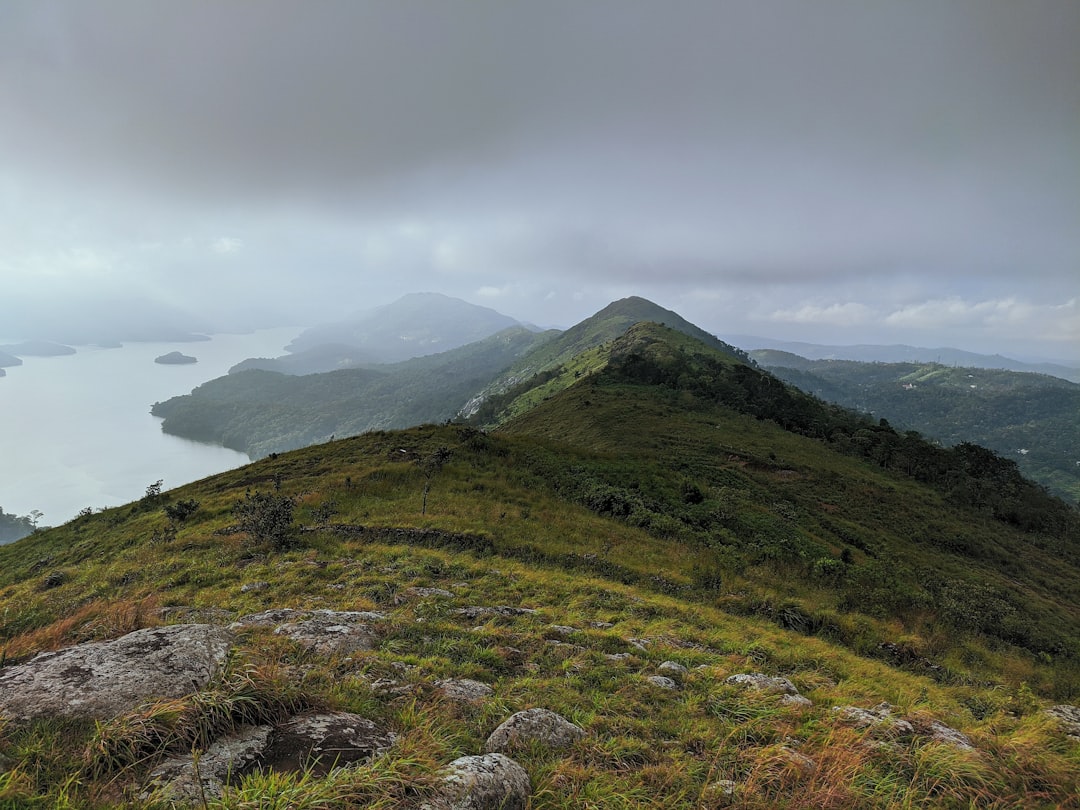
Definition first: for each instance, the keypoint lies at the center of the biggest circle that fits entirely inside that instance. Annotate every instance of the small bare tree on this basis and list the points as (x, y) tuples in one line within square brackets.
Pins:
[(430, 466)]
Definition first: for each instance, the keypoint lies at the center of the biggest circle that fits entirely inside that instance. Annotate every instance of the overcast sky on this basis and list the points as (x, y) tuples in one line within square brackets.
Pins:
[(829, 171)]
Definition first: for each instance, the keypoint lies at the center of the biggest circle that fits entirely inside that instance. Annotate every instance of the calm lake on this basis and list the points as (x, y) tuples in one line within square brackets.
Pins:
[(76, 431)]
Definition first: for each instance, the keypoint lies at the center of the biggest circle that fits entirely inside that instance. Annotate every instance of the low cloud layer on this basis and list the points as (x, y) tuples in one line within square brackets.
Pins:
[(841, 171)]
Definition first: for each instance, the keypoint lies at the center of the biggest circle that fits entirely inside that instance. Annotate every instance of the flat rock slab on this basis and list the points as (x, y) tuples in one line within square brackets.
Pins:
[(102, 679), (321, 742), (178, 781), (488, 782), (326, 632)]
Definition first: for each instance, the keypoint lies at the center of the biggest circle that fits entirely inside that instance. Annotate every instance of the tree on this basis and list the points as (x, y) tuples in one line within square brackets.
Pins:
[(430, 466)]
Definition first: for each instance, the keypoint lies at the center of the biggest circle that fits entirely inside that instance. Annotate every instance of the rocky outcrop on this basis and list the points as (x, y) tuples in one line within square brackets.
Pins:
[(673, 668), (662, 681), (179, 781), (1068, 717), (326, 632), (879, 718), (106, 678), (760, 682), (314, 743), (881, 721), (541, 727), (464, 690), (488, 782), (320, 742)]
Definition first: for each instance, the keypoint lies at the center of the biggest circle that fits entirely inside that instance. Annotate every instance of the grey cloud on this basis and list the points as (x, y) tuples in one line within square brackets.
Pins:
[(827, 154)]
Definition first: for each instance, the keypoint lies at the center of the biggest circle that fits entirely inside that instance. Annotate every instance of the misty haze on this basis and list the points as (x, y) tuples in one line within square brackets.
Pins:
[(506, 404)]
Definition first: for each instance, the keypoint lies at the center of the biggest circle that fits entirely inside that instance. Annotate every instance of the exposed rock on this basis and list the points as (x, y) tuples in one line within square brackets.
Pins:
[(617, 656), (248, 587), (800, 761), (53, 580), (174, 780), (673, 667), (102, 679), (320, 742), (323, 631), (427, 593), (269, 618), (562, 629), (474, 612), (464, 690), (879, 718), (1068, 716), (941, 733), (723, 788), (662, 681), (542, 727), (488, 782), (194, 615), (763, 683)]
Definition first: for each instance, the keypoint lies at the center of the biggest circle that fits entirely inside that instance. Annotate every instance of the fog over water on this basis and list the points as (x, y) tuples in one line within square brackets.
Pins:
[(76, 430)]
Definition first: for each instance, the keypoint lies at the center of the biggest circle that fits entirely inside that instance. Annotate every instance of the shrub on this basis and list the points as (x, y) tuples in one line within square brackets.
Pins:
[(267, 519), (181, 510)]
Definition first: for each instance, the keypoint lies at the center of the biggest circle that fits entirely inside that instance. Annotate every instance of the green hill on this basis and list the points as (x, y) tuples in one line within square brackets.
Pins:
[(261, 412), (673, 513), (555, 364), (1033, 419)]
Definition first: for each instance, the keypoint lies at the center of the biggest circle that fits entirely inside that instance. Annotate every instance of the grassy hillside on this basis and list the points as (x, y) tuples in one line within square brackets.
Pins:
[(555, 364), (1033, 419), (645, 518), (261, 412)]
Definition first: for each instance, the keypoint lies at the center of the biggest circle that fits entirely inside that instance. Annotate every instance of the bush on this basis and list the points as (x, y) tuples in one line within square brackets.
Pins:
[(267, 519), (181, 510)]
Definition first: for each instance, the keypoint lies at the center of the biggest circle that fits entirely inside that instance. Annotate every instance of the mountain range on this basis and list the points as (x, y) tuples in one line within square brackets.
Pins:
[(898, 353), (736, 593), (271, 405)]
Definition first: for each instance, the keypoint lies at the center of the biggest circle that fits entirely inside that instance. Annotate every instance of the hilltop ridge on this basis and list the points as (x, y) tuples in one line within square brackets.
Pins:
[(689, 560)]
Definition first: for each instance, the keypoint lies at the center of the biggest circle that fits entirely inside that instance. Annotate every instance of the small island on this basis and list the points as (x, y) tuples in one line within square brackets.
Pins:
[(175, 359), (37, 348)]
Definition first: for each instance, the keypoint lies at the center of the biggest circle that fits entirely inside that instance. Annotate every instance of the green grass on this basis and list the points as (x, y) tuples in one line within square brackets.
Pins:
[(657, 524)]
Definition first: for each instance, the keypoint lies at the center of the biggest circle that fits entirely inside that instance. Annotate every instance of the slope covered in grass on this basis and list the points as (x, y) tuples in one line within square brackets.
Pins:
[(1033, 419), (646, 520), (260, 412)]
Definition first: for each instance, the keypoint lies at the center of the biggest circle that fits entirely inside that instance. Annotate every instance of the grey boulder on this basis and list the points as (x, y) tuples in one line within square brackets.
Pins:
[(488, 782), (102, 679), (541, 727)]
